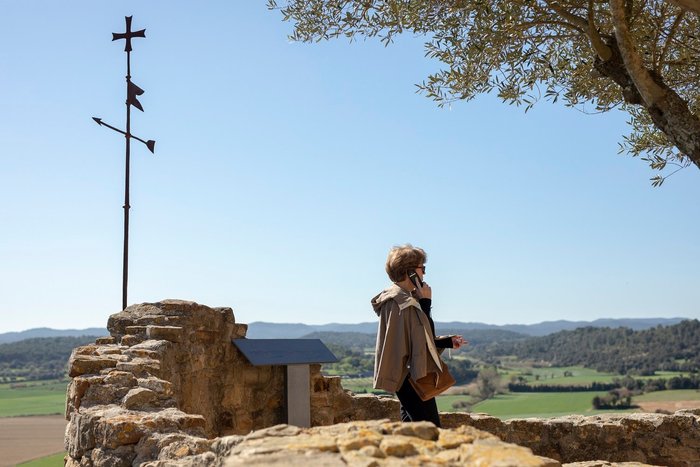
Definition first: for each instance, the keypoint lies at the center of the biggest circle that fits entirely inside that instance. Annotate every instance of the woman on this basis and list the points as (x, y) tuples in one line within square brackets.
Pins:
[(403, 350)]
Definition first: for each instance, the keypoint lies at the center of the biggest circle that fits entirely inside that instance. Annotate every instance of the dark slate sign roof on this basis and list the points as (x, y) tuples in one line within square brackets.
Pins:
[(284, 351)]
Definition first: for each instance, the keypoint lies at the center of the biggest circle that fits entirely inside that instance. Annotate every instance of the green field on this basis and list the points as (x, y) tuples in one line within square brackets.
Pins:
[(36, 398), (55, 460), (576, 375), (541, 404), (669, 396), (358, 385)]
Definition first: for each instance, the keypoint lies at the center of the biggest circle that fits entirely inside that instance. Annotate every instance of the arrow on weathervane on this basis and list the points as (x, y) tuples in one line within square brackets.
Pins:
[(132, 92)]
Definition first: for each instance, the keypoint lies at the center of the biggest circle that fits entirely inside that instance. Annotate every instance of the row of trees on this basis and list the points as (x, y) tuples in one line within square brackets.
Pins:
[(615, 399)]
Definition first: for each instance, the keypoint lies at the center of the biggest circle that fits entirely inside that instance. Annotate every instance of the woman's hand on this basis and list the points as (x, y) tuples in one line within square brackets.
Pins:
[(458, 341), (424, 291)]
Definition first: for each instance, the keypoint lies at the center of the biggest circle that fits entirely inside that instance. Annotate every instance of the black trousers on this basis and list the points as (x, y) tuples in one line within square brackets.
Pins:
[(413, 409)]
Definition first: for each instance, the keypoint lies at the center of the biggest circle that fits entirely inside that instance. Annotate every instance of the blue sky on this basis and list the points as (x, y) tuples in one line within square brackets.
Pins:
[(284, 172)]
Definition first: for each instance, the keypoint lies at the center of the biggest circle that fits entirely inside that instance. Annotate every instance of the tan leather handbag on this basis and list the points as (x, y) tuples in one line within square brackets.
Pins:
[(433, 383)]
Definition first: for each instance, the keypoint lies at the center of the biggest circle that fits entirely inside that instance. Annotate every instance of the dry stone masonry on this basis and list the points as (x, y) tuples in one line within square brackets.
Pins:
[(167, 388)]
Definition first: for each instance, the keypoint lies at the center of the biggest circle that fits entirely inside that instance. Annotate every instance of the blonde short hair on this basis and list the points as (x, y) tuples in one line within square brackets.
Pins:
[(403, 259)]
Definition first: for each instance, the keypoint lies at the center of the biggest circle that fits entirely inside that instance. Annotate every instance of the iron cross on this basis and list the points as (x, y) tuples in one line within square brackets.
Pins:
[(128, 34)]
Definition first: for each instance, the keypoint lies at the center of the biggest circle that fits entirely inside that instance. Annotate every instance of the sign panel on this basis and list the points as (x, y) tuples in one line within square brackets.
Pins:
[(284, 351)]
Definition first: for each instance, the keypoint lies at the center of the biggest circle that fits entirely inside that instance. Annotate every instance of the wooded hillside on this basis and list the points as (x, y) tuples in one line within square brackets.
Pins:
[(621, 350), (38, 358)]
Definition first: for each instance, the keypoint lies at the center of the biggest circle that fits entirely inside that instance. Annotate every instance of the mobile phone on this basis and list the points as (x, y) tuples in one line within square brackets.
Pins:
[(415, 279)]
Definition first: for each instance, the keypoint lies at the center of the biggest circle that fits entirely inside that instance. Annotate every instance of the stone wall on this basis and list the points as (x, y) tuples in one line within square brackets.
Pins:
[(658, 439), (168, 384), (168, 376)]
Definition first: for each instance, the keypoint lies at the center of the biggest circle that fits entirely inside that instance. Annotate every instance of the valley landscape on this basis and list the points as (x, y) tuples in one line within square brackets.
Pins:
[(503, 373)]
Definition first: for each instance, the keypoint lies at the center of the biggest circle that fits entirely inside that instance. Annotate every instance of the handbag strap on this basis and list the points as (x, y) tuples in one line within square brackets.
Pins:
[(430, 342)]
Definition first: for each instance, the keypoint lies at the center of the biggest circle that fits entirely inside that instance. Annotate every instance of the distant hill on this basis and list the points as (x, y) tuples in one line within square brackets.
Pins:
[(38, 357), (621, 350), (359, 341), (48, 332), (264, 330), (549, 327)]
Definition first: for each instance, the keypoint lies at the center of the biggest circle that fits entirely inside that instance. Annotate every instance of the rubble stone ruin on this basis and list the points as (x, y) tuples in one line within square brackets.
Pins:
[(168, 387)]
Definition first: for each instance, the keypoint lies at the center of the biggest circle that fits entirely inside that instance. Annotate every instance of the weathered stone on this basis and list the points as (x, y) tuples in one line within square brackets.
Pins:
[(606, 464), (167, 333), (110, 350), (398, 446), (120, 378), (298, 459), (160, 386), (140, 331), (105, 340), (222, 446), (119, 457), (120, 430), (139, 398), (240, 330), (79, 436), (275, 431), (356, 440), (189, 446), (76, 390), (371, 407), (495, 453), (89, 364), (422, 430), (102, 394), (141, 367), (130, 340)]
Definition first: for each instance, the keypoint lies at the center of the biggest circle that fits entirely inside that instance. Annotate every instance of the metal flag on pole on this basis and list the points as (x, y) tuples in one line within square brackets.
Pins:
[(132, 92)]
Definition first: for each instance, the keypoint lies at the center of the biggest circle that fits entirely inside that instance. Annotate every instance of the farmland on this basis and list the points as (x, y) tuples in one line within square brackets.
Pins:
[(506, 405), (31, 438), (33, 398)]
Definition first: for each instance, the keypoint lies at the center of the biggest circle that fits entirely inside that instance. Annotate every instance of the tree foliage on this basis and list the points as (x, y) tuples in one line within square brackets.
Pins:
[(38, 358), (488, 382), (596, 55), (621, 350)]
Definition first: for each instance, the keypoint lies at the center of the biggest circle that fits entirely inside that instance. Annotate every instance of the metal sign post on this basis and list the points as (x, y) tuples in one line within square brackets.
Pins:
[(296, 355), (132, 92)]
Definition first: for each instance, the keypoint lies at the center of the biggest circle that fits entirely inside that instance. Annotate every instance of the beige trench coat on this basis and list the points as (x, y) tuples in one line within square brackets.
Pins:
[(404, 340)]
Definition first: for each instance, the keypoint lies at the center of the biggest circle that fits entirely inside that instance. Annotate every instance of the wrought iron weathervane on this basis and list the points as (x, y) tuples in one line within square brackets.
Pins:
[(132, 92)]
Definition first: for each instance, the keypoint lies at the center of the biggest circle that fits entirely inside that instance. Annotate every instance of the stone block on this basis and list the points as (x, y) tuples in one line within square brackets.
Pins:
[(141, 367), (239, 331), (130, 340), (76, 390), (105, 340), (139, 399), (422, 430), (89, 364), (120, 430), (167, 333), (80, 437), (103, 394), (136, 330), (119, 457), (398, 446), (492, 452), (120, 378), (157, 385)]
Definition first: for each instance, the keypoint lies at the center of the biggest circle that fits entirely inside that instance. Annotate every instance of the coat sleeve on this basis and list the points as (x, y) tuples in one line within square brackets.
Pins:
[(393, 348)]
